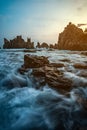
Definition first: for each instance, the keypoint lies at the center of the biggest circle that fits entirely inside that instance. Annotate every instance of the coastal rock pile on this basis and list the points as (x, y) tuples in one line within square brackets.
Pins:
[(72, 38), (18, 42), (45, 72), (31, 61)]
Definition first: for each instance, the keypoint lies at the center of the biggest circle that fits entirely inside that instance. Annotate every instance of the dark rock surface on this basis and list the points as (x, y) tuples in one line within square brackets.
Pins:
[(44, 72), (18, 42), (31, 61), (80, 66), (72, 38), (43, 45)]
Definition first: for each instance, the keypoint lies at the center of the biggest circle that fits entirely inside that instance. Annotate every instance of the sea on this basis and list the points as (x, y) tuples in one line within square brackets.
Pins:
[(23, 107)]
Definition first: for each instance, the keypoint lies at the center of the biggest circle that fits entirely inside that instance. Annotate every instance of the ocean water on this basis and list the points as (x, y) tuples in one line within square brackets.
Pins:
[(23, 107)]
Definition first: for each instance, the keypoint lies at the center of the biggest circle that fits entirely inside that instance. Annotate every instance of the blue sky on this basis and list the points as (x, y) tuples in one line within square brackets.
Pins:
[(42, 20)]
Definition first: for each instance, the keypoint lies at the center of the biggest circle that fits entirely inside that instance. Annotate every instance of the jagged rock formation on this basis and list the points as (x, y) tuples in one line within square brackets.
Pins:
[(45, 72), (43, 45), (18, 42), (72, 38)]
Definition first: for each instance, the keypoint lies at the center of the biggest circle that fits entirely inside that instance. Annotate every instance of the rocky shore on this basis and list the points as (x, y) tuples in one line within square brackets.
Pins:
[(44, 72)]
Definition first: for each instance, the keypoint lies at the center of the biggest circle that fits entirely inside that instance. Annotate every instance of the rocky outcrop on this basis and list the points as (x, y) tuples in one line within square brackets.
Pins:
[(43, 45), (32, 61), (53, 77), (18, 42), (44, 72), (72, 38), (80, 66)]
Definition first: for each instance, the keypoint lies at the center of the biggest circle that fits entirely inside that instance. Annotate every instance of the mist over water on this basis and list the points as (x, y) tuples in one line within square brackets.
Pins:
[(23, 107)]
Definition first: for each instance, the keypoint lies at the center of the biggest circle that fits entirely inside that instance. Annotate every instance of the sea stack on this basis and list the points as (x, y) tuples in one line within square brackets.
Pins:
[(72, 38), (18, 42)]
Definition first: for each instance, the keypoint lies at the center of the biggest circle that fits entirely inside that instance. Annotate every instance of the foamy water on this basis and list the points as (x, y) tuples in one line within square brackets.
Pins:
[(23, 107)]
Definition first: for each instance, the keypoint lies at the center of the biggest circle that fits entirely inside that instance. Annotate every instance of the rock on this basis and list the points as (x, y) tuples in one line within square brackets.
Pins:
[(32, 61), (57, 65), (39, 72), (30, 50), (57, 81), (84, 53), (18, 42), (43, 45), (53, 77), (80, 66), (83, 74), (65, 60), (72, 38), (44, 72), (38, 45)]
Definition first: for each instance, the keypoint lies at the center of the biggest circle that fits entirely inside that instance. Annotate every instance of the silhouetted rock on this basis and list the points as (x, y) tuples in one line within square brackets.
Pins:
[(54, 46), (43, 45), (72, 38), (18, 42), (7, 43), (38, 45)]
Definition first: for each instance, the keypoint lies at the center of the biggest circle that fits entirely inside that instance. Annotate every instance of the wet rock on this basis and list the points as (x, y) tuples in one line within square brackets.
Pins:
[(83, 74), (84, 53), (57, 65), (80, 66), (30, 50), (65, 60), (44, 72), (40, 72), (22, 70), (31, 61), (53, 77), (57, 81)]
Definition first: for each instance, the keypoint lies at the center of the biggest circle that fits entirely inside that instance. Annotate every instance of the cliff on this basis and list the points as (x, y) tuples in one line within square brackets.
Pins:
[(18, 42), (72, 38)]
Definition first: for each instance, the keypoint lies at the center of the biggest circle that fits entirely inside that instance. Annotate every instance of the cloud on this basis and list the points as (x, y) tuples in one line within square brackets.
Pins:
[(81, 5)]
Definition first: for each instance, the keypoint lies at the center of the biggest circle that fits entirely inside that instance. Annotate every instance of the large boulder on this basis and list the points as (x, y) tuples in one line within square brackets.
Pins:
[(53, 77), (44, 72), (33, 61), (72, 38)]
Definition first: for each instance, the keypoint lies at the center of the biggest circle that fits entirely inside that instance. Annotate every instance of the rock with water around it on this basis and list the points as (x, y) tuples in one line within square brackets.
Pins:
[(72, 38), (53, 77), (80, 66), (44, 72), (18, 42), (33, 61)]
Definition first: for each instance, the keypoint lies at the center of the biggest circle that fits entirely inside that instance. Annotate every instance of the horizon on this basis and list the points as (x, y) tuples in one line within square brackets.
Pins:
[(42, 20)]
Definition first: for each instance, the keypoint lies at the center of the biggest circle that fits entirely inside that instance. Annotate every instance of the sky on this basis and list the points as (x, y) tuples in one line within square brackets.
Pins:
[(42, 20)]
